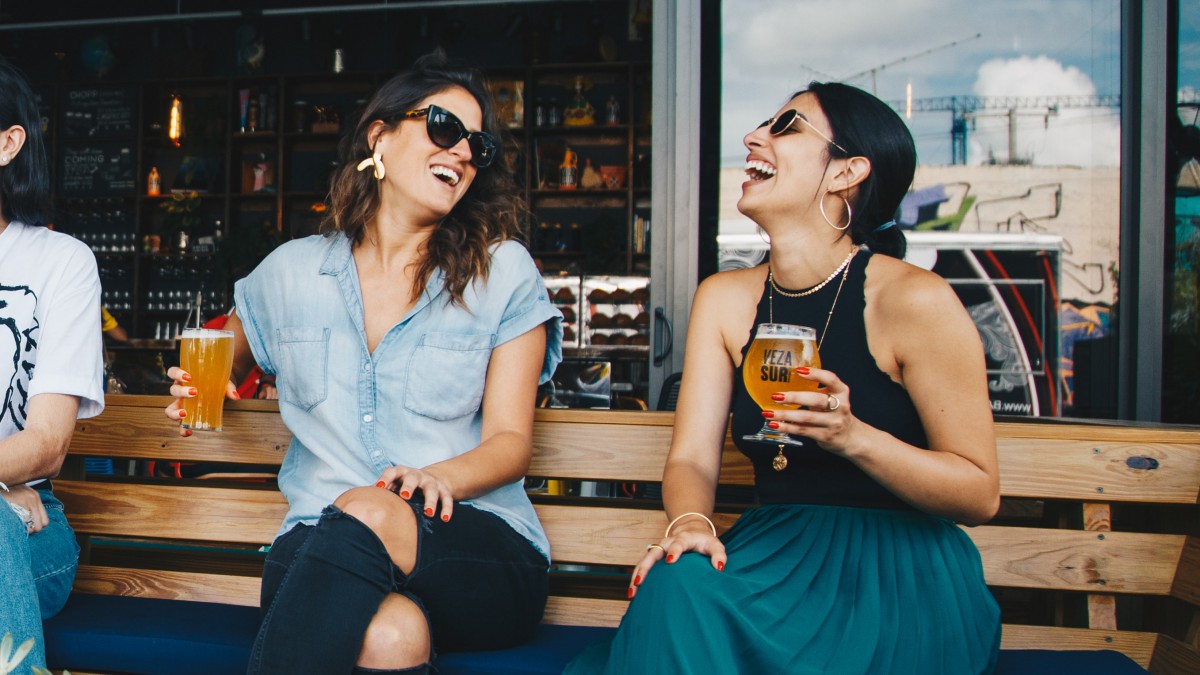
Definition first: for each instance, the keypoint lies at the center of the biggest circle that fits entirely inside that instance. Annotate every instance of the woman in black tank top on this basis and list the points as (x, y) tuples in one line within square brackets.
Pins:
[(853, 560)]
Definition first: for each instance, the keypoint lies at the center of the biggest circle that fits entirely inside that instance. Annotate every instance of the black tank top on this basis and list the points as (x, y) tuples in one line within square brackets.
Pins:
[(814, 476)]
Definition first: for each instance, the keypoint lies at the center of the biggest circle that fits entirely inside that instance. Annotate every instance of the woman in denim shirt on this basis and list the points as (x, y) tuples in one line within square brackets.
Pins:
[(408, 345)]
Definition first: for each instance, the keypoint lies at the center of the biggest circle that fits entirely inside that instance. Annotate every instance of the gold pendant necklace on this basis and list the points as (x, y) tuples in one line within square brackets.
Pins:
[(844, 269), (780, 461)]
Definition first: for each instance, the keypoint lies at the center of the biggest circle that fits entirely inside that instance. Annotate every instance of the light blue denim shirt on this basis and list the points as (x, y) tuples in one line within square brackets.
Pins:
[(415, 401)]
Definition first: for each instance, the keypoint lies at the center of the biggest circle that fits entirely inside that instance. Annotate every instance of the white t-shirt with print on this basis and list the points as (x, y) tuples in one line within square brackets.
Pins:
[(50, 339)]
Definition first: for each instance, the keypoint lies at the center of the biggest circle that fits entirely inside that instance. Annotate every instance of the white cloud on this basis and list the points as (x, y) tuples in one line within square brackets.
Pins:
[(1074, 136)]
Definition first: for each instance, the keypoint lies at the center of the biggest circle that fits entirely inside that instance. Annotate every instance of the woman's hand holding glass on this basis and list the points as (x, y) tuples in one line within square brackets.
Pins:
[(824, 416), (182, 388), (770, 368), (405, 481)]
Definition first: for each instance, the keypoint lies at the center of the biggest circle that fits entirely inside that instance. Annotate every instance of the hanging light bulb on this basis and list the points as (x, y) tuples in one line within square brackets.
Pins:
[(175, 120)]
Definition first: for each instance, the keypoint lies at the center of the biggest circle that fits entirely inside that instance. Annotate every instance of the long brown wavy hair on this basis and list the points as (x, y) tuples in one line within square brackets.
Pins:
[(490, 211)]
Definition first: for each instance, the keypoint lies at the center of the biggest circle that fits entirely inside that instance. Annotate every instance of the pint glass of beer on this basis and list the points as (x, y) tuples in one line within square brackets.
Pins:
[(207, 355), (770, 367)]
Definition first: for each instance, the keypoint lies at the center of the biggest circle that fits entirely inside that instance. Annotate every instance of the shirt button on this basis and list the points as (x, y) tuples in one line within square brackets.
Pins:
[(367, 418), (367, 367)]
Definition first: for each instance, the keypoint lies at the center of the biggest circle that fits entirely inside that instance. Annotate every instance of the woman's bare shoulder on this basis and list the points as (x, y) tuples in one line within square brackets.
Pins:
[(901, 287), (733, 283)]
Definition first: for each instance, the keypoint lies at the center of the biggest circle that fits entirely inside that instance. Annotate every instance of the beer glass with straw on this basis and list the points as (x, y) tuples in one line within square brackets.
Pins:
[(770, 367), (207, 355)]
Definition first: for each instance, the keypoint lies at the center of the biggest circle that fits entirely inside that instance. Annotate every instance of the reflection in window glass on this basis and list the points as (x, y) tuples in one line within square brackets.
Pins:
[(1181, 392), (1016, 115)]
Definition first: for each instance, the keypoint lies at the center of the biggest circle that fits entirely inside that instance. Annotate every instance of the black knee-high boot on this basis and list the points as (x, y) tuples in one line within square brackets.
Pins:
[(325, 602)]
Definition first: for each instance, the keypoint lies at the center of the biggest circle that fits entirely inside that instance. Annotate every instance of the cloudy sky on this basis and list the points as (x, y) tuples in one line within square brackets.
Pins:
[(1024, 48)]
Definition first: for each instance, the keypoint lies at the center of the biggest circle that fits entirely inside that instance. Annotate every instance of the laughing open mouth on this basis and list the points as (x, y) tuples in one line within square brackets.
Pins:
[(759, 170), (446, 175)]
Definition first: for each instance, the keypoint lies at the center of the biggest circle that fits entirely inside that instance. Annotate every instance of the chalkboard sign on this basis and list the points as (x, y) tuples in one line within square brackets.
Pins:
[(98, 112), (96, 169)]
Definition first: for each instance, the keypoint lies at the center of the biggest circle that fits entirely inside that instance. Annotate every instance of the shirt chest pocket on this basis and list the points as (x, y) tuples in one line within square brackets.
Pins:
[(446, 375), (302, 362)]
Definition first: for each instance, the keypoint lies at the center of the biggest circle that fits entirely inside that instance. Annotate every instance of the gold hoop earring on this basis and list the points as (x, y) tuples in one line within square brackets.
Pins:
[(849, 212), (375, 161)]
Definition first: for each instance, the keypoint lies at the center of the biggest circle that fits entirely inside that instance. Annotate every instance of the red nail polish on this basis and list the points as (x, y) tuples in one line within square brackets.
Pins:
[(405, 494), (445, 518), (720, 566), (381, 484), (629, 593), (187, 432), (185, 377), (773, 425), (429, 512), (637, 581), (237, 396), (671, 557), (776, 397), (182, 414), (768, 414), (803, 370), (192, 391)]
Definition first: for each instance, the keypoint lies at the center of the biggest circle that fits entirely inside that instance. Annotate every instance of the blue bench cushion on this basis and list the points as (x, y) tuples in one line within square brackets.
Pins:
[(1047, 662), (142, 636)]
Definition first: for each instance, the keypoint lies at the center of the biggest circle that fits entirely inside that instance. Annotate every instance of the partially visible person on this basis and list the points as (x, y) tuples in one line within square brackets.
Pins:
[(110, 327), (853, 562), (51, 373), (408, 343)]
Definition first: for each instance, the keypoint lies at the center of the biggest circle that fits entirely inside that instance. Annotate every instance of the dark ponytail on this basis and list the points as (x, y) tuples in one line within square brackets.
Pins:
[(25, 180), (868, 127)]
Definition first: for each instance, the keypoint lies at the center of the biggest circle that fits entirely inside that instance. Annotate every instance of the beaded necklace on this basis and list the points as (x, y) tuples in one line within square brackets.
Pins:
[(814, 289)]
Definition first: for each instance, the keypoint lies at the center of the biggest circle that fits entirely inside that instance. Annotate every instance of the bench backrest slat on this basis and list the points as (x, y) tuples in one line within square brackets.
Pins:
[(206, 514), (168, 585), (1112, 471)]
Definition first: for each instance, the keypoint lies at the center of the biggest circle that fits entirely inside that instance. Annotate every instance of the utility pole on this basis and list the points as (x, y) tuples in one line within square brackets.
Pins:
[(1012, 114)]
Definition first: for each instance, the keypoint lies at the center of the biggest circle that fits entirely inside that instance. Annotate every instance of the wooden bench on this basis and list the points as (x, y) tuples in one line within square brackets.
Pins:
[(1095, 547)]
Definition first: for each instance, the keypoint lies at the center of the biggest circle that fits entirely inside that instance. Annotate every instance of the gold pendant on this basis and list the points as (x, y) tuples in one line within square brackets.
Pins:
[(780, 462)]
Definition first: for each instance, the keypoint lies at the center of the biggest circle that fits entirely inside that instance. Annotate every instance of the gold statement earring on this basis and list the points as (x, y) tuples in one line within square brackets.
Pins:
[(849, 213), (375, 161)]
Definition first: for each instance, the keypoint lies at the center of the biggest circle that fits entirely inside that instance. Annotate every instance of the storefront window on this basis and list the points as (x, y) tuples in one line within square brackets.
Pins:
[(1181, 279), (1015, 109)]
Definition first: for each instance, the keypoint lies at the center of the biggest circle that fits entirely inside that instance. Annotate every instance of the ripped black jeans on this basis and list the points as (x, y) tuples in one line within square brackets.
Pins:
[(480, 583)]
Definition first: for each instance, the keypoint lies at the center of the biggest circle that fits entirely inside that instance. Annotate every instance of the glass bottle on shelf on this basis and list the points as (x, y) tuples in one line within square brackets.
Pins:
[(612, 111), (153, 183)]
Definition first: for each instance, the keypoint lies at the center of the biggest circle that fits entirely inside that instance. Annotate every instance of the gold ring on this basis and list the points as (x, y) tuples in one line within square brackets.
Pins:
[(832, 403), (650, 546)]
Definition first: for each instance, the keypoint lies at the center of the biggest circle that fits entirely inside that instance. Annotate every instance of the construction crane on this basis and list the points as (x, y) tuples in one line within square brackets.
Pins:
[(964, 109), (873, 71)]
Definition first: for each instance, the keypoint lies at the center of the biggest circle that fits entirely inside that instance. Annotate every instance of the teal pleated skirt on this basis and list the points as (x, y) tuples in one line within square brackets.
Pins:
[(824, 590)]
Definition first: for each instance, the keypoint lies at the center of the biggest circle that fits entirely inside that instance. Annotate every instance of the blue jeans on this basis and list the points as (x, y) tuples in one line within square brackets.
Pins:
[(36, 573)]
